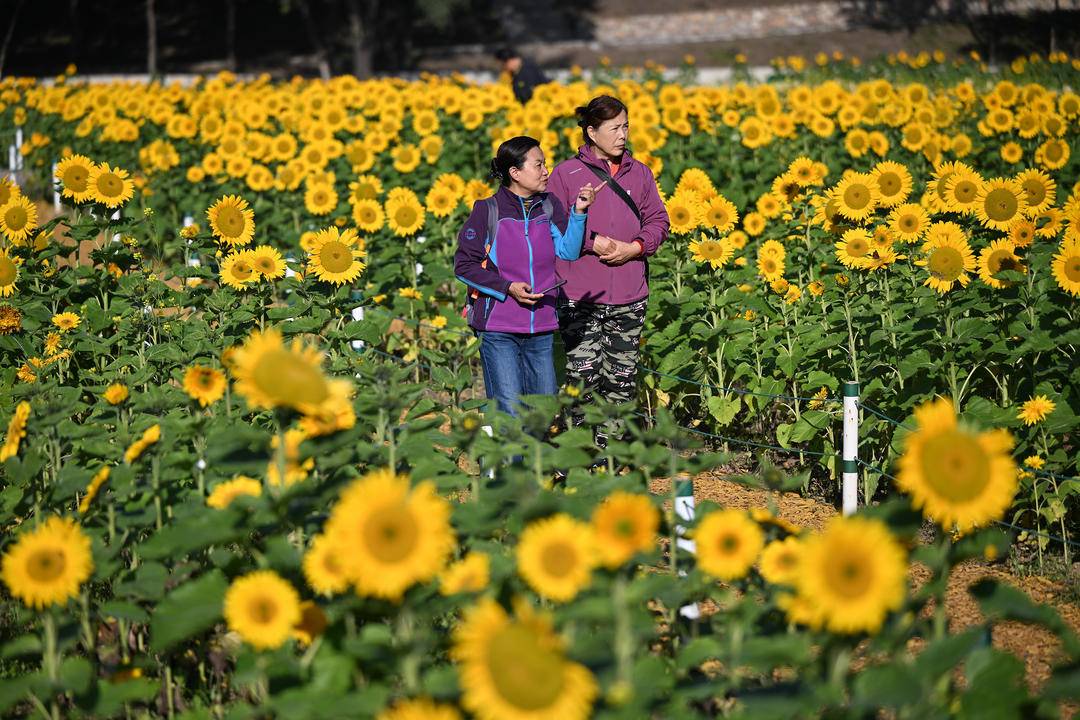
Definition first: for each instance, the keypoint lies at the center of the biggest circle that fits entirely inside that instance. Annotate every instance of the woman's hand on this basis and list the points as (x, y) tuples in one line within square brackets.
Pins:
[(619, 252), (586, 195), (521, 292)]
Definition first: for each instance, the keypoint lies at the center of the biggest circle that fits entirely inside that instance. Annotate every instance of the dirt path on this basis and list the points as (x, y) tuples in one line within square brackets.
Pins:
[(1038, 648)]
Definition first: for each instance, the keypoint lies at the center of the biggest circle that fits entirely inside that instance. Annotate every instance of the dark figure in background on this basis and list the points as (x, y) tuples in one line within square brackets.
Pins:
[(524, 72)]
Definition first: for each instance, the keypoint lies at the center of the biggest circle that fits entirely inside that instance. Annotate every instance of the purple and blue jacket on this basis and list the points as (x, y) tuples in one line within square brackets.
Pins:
[(524, 249)]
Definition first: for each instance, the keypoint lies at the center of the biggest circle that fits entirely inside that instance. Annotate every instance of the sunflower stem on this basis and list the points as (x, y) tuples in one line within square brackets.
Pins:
[(84, 620), (51, 659)]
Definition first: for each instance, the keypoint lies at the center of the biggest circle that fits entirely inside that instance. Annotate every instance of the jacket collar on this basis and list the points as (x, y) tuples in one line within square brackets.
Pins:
[(586, 155)]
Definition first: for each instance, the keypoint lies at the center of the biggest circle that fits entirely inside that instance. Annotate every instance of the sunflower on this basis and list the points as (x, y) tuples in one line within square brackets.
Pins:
[(1000, 255), (962, 189), (715, 252), (320, 199), (556, 556), (16, 431), (780, 561), (684, 213), (66, 321), (365, 187), (391, 537), (727, 542), (516, 668), (770, 268), (267, 261), (419, 709), (116, 393), (10, 320), (624, 524), (1036, 410), (440, 201), (1053, 154), (92, 489), (803, 171), (405, 217), (471, 574), (1012, 153), (948, 259), (1000, 201), (893, 182), (312, 624), (334, 257), (149, 437), (956, 475), (754, 223), (857, 196), (854, 248), (47, 565), (1022, 233), (323, 567), (205, 384), (270, 374), (1065, 266), (109, 186), (224, 493), (73, 172), (368, 215), (909, 222), (721, 214), (406, 158), (1040, 190), (851, 575), (231, 220), (18, 219), (773, 249), (237, 271), (262, 608)]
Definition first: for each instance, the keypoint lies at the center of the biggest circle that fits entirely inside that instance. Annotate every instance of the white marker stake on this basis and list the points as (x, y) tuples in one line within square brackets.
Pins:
[(684, 509), (419, 269), (850, 458), (55, 192), (13, 164), (116, 216), (358, 314), (490, 433), (18, 148)]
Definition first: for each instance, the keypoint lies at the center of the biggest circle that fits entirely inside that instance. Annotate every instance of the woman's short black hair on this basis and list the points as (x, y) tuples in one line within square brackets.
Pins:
[(599, 109), (511, 154)]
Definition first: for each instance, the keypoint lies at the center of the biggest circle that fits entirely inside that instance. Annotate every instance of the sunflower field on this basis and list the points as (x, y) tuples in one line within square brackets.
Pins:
[(247, 471)]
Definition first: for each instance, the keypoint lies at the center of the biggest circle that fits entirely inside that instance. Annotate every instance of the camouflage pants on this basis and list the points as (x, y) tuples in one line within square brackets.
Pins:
[(602, 347)]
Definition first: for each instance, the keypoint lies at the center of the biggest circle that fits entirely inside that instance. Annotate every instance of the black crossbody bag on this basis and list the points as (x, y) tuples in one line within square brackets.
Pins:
[(616, 188)]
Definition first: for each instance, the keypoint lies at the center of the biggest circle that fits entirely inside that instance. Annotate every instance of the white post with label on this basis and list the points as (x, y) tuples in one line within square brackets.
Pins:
[(849, 463)]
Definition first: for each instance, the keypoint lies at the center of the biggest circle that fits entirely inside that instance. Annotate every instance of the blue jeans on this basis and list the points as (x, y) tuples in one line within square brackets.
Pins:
[(517, 364)]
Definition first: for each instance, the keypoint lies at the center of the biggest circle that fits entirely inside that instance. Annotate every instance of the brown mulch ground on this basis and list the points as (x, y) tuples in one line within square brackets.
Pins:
[(1038, 648)]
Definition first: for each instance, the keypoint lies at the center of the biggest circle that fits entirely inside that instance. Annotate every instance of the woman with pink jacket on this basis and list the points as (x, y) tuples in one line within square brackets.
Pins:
[(602, 305)]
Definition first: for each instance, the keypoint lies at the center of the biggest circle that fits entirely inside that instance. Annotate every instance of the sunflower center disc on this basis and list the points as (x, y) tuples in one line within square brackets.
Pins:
[(391, 536), (75, 179), (856, 197), (526, 675), (241, 270), (406, 216), (335, 257), (15, 218), (965, 191), (231, 222), (1001, 205), (955, 466), (46, 565), (558, 559), (263, 610), (857, 248), (729, 544), (7, 270), (110, 185), (624, 528), (848, 576), (288, 379), (1072, 269), (1035, 192), (889, 184), (946, 263)]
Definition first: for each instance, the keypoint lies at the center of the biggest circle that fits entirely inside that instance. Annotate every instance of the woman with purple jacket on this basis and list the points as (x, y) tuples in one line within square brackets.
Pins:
[(506, 254), (602, 305)]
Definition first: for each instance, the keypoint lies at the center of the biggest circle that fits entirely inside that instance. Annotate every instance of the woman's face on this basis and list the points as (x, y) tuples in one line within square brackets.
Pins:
[(610, 135), (532, 176)]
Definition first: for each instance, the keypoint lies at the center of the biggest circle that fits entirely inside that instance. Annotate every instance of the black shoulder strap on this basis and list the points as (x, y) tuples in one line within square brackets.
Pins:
[(616, 188)]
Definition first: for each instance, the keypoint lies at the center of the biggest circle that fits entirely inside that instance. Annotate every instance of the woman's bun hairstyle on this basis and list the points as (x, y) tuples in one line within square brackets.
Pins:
[(511, 154), (599, 109)]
